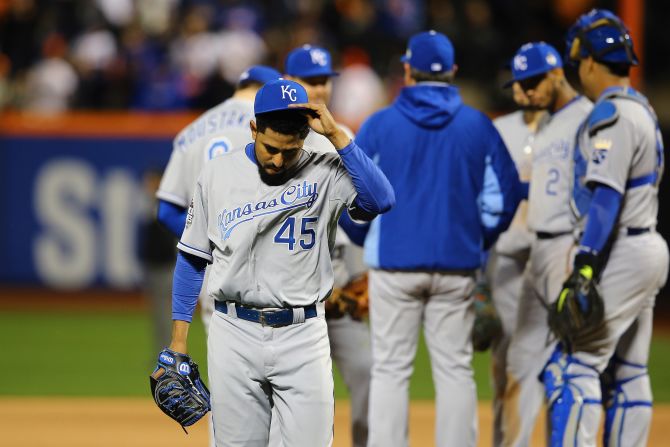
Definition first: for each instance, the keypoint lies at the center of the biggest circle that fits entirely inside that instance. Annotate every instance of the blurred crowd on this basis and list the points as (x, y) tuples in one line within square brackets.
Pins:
[(160, 55)]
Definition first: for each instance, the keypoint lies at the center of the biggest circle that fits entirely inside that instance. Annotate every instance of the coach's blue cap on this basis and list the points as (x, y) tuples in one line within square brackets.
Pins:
[(260, 74), (278, 95), (532, 59), (308, 61), (429, 52)]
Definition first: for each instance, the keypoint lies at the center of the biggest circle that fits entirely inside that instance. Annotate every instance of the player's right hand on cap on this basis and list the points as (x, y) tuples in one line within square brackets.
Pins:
[(321, 121)]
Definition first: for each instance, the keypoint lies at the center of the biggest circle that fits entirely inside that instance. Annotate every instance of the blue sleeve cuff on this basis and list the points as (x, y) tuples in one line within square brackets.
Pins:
[(375, 193), (189, 273), (356, 232), (172, 216), (602, 217)]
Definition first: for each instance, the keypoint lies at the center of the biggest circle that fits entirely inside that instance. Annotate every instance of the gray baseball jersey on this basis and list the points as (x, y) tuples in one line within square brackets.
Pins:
[(236, 219), (518, 138), (552, 173), (218, 131), (626, 151)]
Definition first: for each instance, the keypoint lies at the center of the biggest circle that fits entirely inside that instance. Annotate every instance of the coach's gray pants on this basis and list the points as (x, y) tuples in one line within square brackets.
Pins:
[(251, 366), (400, 303)]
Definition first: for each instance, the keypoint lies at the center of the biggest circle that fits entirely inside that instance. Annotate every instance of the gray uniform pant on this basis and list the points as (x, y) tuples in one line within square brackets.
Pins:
[(400, 303), (637, 268), (251, 367), (505, 277), (350, 349), (531, 344)]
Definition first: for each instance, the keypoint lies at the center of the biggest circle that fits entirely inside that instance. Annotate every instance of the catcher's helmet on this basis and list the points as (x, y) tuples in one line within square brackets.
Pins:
[(601, 35)]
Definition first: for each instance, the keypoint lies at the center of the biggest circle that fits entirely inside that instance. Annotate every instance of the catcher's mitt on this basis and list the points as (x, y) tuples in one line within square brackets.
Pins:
[(177, 388), (579, 308), (487, 325), (352, 299)]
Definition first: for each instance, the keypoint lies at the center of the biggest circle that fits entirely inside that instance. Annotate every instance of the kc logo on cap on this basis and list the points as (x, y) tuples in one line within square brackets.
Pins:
[(286, 90), (278, 95)]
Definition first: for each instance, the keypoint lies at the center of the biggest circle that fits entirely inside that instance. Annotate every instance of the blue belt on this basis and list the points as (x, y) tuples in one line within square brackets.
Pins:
[(273, 318), (635, 231)]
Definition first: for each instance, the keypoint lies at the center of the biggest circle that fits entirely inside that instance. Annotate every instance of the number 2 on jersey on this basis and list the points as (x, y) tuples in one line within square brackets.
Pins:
[(286, 233), (553, 175)]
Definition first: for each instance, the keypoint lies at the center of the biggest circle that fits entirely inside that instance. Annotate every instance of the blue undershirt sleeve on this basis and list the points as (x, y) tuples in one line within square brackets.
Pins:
[(375, 193), (172, 216), (356, 231), (189, 273), (602, 217)]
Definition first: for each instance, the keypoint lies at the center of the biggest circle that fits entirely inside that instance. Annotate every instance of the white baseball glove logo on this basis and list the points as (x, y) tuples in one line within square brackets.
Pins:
[(319, 57), (286, 90)]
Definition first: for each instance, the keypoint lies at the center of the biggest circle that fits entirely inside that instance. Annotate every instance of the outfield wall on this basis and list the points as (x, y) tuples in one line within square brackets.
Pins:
[(73, 196)]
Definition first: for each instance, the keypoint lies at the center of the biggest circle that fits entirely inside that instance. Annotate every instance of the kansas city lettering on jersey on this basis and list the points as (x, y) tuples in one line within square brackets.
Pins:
[(295, 196)]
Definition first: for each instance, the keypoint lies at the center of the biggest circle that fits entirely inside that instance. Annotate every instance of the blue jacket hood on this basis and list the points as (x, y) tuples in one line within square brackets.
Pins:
[(429, 105)]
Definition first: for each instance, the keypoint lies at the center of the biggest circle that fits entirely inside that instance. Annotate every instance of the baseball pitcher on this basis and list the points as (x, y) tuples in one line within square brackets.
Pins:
[(265, 218)]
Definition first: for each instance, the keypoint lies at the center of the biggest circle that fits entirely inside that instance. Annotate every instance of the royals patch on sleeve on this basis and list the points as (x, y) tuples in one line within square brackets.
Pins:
[(189, 215)]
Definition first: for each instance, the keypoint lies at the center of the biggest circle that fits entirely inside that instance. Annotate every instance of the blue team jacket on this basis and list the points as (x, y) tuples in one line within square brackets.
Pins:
[(456, 185)]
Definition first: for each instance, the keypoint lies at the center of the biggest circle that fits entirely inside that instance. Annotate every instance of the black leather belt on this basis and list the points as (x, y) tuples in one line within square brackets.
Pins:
[(272, 318), (629, 232), (545, 235)]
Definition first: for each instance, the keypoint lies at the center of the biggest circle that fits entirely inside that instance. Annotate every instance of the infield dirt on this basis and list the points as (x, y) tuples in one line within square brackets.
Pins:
[(136, 422)]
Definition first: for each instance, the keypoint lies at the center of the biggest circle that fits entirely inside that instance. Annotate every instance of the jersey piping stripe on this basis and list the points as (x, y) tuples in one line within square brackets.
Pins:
[(194, 251), (172, 198)]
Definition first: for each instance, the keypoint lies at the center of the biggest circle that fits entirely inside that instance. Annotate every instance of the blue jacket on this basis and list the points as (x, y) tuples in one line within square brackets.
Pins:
[(456, 185)]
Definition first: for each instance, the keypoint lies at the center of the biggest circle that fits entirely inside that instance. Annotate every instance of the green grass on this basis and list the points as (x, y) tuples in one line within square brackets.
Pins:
[(93, 354)]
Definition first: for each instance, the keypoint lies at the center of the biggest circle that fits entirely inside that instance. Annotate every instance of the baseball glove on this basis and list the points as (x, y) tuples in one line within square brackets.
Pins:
[(487, 325), (352, 299), (177, 388), (579, 308)]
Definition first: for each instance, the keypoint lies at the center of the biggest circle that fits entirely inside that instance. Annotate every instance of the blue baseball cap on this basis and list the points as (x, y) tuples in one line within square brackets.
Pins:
[(259, 73), (278, 95), (532, 59), (429, 52), (308, 61)]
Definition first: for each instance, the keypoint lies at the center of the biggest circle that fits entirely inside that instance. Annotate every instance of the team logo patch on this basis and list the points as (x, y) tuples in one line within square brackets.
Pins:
[(551, 59), (286, 90), (166, 358), (599, 156), (184, 369), (602, 143), (217, 147), (319, 57), (189, 215), (520, 62)]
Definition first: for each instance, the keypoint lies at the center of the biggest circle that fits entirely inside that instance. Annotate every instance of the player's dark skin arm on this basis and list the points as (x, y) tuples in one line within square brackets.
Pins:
[(179, 336)]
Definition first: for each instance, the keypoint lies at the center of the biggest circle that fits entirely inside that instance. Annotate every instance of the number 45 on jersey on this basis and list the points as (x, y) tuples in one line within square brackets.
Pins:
[(287, 233)]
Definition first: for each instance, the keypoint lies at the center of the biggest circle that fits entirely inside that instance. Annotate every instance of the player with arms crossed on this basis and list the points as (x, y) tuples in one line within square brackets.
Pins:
[(349, 335), (265, 218), (219, 130), (438, 154), (537, 70), (507, 259), (622, 262)]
